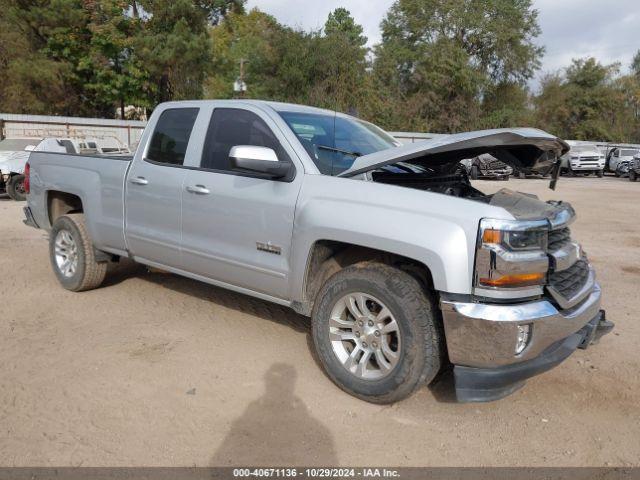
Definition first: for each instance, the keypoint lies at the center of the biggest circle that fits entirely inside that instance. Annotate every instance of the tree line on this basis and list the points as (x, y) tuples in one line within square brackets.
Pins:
[(441, 66)]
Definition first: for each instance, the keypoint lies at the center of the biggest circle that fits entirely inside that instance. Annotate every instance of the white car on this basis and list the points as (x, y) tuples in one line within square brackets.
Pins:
[(619, 155), (583, 159), (14, 153)]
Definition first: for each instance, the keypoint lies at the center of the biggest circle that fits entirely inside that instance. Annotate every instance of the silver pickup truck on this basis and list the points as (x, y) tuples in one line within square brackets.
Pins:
[(403, 266)]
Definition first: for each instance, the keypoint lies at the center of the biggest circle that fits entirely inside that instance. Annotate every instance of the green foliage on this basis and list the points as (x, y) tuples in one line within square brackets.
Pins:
[(635, 64), (340, 22), (442, 65), (327, 70), (87, 57), (444, 57), (589, 102)]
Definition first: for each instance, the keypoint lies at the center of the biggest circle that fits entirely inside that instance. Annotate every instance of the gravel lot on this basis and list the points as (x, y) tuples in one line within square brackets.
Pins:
[(153, 369)]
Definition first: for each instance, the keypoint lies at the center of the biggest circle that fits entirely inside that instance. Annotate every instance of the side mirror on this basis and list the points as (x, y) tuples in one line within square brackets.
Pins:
[(261, 160)]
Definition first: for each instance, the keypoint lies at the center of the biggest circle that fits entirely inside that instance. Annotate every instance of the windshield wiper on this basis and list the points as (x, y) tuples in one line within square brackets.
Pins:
[(333, 149)]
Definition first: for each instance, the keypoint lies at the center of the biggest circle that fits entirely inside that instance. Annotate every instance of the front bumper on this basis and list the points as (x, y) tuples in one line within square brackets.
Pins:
[(482, 338), (487, 384), (587, 167)]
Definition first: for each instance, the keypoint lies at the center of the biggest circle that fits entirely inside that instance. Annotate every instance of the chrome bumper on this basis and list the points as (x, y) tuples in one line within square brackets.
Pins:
[(484, 335)]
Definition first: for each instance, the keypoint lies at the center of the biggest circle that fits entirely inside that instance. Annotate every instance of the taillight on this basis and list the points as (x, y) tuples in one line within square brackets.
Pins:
[(27, 175)]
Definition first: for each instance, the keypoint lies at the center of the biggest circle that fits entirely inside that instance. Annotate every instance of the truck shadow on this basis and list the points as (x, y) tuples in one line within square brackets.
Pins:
[(229, 299), (442, 388), (277, 429)]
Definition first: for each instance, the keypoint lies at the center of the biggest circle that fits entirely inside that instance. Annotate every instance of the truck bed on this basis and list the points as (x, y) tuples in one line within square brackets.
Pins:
[(97, 180)]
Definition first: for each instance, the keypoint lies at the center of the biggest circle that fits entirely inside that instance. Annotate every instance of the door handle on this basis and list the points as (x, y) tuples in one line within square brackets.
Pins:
[(198, 190), (139, 181)]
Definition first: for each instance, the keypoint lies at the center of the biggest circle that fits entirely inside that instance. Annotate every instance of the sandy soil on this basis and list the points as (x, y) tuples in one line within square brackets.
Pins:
[(153, 369)]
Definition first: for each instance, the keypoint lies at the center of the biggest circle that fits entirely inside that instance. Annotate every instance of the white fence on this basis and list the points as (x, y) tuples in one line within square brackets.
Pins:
[(127, 132)]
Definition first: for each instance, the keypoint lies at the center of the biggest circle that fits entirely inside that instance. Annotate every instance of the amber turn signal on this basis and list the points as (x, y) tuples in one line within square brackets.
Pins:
[(519, 280), (491, 236)]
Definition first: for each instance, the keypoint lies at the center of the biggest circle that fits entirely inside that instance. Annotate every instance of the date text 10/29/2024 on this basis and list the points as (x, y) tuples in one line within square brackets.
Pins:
[(316, 472)]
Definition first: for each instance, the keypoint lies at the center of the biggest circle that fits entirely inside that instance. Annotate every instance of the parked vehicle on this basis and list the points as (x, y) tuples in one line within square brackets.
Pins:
[(623, 169), (12, 163), (401, 264), (618, 155), (486, 166), (14, 153), (583, 159), (634, 168)]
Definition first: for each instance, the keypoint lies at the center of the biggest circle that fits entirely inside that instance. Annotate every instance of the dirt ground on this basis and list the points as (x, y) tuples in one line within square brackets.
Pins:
[(153, 369)]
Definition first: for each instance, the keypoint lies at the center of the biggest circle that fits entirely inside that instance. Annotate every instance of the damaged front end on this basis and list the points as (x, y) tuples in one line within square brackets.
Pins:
[(535, 298)]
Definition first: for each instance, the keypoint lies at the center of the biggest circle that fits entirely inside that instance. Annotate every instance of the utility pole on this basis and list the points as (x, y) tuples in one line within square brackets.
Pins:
[(239, 86)]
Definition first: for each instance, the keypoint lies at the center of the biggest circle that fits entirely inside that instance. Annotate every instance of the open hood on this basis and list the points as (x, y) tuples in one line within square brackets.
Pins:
[(525, 149)]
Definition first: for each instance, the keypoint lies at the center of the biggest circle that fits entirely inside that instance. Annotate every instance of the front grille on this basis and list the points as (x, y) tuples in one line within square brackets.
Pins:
[(569, 282), (559, 238)]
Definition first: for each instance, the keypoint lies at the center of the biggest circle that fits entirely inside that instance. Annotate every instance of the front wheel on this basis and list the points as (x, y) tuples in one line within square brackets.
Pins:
[(599, 173), (376, 332), (15, 188), (632, 175), (72, 255)]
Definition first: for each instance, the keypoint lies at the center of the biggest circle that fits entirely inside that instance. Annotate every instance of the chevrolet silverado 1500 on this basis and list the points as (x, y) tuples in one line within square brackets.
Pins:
[(400, 262)]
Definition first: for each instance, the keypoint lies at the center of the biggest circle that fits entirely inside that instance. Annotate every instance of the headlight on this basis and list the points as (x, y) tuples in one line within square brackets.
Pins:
[(511, 254), (526, 240)]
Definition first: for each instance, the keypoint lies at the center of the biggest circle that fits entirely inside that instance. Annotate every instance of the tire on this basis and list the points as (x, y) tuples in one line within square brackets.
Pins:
[(599, 173), (475, 172), (15, 188), (632, 175), (419, 337), (69, 234)]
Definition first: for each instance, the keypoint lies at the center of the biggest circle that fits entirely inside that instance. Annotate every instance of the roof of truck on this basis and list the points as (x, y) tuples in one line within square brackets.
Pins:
[(277, 106)]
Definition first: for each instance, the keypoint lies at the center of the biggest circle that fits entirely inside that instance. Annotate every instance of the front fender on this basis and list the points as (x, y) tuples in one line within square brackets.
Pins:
[(435, 230)]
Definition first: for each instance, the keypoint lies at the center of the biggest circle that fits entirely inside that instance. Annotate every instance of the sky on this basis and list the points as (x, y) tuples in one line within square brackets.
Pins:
[(608, 30)]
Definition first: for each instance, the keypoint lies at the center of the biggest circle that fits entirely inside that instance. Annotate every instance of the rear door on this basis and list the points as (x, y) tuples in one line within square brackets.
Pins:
[(154, 189), (237, 227)]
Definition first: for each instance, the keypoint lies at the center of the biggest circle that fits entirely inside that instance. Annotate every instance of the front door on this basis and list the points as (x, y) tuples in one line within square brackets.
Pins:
[(154, 190), (237, 228)]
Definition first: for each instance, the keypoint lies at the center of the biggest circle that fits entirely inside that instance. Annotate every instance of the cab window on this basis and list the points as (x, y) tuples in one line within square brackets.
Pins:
[(230, 127), (171, 136)]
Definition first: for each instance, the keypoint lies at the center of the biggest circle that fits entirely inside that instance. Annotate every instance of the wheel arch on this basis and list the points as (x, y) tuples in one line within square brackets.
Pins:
[(62, 203), (327, 257)]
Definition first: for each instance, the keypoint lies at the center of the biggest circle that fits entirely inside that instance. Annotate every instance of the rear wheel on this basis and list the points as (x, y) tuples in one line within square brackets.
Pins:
[(72, 255), (15, 188), (376, 333), (475, 172)]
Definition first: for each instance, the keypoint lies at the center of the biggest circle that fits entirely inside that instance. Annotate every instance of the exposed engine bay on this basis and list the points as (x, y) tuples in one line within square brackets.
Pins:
[(445, 179), (453, 180)]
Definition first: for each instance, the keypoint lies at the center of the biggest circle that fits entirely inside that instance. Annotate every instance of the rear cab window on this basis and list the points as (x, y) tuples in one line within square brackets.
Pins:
[(171, 136)]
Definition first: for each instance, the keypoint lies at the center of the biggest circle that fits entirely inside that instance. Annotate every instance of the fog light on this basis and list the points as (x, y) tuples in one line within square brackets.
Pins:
[(523, 338)]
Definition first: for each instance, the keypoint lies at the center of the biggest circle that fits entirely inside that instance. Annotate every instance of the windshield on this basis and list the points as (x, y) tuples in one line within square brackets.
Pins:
[(583, 148), (334, 142)]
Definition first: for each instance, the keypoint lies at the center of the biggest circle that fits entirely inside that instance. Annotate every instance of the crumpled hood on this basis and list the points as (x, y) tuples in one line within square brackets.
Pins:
[(526, 149), (528, 207)]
